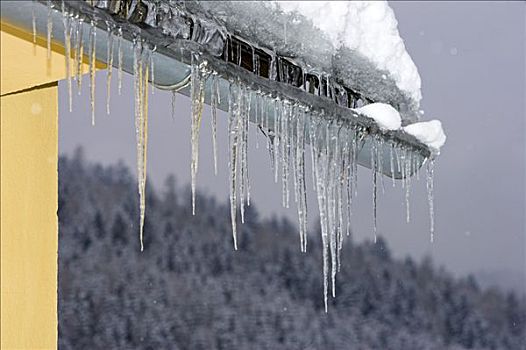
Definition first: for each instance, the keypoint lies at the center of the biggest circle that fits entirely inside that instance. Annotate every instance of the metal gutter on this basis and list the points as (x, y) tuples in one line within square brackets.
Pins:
[(172, 59)]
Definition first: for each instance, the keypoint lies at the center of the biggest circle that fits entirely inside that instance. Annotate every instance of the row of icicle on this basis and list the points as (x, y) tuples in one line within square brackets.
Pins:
[(335, 145), (289, 126), (143, 69)]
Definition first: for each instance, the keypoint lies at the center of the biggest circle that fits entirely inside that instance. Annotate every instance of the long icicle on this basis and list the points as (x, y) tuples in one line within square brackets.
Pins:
[(79, 53), (92, 63), (277, 136), (110, 68), (430, 188), (347, 179), (379, 162), (312, 135), (408, 170), (233, 158), (285, 154), (321, 190), (67, 54), (141, 127), (341, 171), (197, 98), (144, 99), (375, 187), (119, 59), (332, 150), (300, 179), (241, 149), (257, 116), (213, 103), (246, 122), (391, 163)]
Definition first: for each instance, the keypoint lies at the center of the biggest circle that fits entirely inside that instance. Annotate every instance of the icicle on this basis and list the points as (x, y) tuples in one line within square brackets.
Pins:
[(430, 187), (391, 163), (79, 53), (245, 146), (379, 161), (110, 68), (358, 138), (302, 187), (270, 147), (408, 170), (401, 161), (348, 159), (398, 161), (299, 177), (34, 26), (92, 62), (266, 105), (277, 137), (257, 115), (293, 125), (271, 140), (312, 140), (374, 170), (49, 30), (119, 58), (244, 113), (141, 126), (285, 154), (233, 159), (332, 150), (197, 98), (321, 191), (213, 103), (241, 148), (340, 222), (342, 171), (67, 54)]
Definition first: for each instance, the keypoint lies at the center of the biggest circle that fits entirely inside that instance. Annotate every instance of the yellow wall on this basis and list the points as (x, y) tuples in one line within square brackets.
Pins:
[(28, 203), (29, 179), (29, 219)]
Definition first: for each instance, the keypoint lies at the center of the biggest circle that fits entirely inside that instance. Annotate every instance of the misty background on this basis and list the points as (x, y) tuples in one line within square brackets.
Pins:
[(471, 57)]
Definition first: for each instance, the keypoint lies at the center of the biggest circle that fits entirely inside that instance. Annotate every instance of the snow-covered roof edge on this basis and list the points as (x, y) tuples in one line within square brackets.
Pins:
[(367, 27)]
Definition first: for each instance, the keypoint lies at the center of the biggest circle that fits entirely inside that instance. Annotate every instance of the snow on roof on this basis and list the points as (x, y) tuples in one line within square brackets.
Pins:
[(383, 114), (429, 133), (355, 43), (368, 27)]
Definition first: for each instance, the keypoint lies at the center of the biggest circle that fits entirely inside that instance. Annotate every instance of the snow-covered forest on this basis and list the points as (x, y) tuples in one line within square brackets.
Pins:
[(189, 289)]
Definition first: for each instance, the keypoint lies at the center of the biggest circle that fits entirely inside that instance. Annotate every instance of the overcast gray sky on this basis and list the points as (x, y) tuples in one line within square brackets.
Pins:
[(471, 57)]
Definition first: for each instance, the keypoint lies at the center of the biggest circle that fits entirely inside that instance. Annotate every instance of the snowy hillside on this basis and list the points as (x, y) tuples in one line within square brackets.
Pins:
[(190, 290)]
